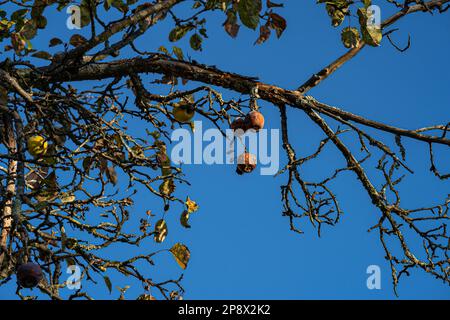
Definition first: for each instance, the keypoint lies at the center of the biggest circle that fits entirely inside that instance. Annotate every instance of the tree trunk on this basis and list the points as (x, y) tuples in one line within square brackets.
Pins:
[(9, 141)]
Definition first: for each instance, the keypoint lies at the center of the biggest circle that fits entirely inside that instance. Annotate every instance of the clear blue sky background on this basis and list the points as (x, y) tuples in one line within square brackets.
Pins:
[(241, 246)]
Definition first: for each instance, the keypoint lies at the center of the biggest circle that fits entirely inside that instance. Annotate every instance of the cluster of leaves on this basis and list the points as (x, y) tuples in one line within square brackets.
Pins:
[(369, 31), (248, 12), (23, 24)]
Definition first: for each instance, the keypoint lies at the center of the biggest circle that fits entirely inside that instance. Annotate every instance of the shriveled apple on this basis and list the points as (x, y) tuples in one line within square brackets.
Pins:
[(246, 163)]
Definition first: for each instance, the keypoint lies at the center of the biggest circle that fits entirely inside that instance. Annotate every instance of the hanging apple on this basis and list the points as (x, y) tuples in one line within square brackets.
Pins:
[(254, 120), (29, 275), (246, 163), (37, 146)]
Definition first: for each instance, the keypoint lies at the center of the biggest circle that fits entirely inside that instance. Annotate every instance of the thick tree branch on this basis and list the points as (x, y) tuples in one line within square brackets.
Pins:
[(6, 214), (162, 64), (10, 81)]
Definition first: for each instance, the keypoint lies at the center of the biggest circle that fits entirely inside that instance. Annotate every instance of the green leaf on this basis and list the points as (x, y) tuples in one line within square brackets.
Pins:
[(367, 3), (54, 42), (61, 6), (38, 8), (19, 25), (77, 40), (350, 37), (5, 25), (337, 13), (196, 42), (85, 14), (87, 163), (249, 12), (2, 14), (42, 55), (202, 31), (213, 4), (19, 14), (41, 22), (178, 32), (49, 191), (371, 33), (178, 53), (29, 29)]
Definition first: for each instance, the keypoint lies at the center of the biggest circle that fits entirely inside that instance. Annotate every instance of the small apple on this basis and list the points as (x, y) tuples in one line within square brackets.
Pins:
[(37, 146), (246, 163), (254, 120), (29, 275)]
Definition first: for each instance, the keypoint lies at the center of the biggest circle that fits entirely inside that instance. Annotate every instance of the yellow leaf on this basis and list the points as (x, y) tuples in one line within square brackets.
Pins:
[(66, 198), (167, 187), (161, 231), (184, 219), (191, 206), (181, 254)]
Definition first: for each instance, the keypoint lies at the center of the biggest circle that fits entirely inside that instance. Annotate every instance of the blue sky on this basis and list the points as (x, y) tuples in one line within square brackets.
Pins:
[(240, 244)]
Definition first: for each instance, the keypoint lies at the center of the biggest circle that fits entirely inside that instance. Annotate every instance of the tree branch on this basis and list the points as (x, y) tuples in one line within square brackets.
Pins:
[(119, 26), (162, 64), (331, 68)]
